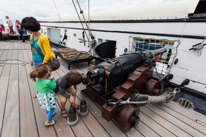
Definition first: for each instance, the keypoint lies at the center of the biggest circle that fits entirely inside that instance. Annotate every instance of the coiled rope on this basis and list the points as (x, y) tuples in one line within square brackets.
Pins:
[(72, 54)]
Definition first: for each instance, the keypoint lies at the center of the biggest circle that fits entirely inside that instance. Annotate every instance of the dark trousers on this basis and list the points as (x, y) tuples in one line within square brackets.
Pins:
[(21, 32), (11, 29), (0, 35)]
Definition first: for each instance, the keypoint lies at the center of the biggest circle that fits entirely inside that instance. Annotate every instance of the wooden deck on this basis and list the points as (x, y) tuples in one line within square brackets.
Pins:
[(20, 114)]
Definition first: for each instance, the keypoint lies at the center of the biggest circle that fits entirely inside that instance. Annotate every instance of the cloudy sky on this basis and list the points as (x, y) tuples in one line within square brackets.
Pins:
[(18, 9)]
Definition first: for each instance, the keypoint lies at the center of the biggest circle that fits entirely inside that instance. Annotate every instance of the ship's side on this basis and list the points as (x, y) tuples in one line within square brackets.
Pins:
[(182, 32)]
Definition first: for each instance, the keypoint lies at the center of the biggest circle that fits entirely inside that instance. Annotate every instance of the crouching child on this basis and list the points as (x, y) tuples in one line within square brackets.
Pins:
[(65, 89)]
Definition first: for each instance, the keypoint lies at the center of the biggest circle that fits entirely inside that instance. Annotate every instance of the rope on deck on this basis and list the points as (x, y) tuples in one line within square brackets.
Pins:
[(14, 49), (3, 62)]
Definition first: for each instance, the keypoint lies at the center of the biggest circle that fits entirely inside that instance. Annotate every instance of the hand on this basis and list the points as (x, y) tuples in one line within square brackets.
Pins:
[(43, 63), (31, 62)]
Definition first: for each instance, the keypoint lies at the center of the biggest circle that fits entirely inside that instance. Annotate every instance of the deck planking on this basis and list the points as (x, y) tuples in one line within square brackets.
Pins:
[(190, 126), (27, 116), (40, 114), (11, 113), (20, 110), (4, 82)]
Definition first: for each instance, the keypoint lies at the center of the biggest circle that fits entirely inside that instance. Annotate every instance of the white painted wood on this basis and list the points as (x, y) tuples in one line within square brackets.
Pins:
[(190, 65)]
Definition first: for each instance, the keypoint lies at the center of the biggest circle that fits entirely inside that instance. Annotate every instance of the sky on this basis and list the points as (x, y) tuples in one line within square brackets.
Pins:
[(18, 9)]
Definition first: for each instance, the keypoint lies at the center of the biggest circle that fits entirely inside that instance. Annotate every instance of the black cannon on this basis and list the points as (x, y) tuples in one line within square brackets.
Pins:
[(117, 79), (115, 71)]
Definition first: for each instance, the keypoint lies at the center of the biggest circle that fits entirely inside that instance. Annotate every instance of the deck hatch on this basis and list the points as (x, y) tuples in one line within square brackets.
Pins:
[(186, 103)]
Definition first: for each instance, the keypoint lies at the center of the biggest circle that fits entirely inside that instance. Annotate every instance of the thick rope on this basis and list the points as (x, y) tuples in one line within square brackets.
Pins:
[(73, 54), (153, 99)]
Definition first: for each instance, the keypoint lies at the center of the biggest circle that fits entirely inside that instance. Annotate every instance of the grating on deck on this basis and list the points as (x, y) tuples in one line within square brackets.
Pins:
[(20, 114)]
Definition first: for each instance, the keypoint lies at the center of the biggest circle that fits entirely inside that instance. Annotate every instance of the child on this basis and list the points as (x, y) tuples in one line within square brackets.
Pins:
[(44, 85), (20, 30), (65, 88)]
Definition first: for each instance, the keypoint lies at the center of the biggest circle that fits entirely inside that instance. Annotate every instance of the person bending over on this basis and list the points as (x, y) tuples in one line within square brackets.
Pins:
[(65, 89)]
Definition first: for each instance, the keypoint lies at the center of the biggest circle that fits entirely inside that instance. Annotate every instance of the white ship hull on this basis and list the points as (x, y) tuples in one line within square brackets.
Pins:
[(189, 66)]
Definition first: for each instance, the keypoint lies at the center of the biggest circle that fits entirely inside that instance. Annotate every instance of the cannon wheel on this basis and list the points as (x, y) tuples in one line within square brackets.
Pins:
[(128, 117)]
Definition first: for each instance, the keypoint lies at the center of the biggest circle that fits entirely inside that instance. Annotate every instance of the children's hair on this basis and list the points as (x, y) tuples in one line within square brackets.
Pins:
[(2, 27), (73, 78), (17, 21), (7, 17), (39, 72), (30, 23)]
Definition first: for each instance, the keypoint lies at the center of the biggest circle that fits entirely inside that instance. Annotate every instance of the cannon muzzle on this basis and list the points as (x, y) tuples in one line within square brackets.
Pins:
[(154, 53)]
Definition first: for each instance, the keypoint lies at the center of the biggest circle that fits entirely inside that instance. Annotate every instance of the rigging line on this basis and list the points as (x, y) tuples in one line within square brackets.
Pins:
[(81, 11), (80, 20), (58, 13), (89, 14)]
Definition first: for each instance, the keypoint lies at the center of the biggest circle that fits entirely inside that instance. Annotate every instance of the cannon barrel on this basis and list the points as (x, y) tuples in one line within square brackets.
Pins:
[(152, 53), (120, 67)]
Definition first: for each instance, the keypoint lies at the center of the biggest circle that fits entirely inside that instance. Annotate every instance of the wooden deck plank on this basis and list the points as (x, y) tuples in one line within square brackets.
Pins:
[(26, 107), (39, 113), (11, 114), (4, 81), (111, 128), (182, 118), (93, 125), (186, 128), (169, 126), (61, 126), (185, 112), (83, 66), (2, 46), (7, 45), (134, 133), (145, 130), (155, 126)]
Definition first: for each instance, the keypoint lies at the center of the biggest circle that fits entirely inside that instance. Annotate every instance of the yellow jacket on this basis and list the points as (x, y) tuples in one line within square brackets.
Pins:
[(43, 43)]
